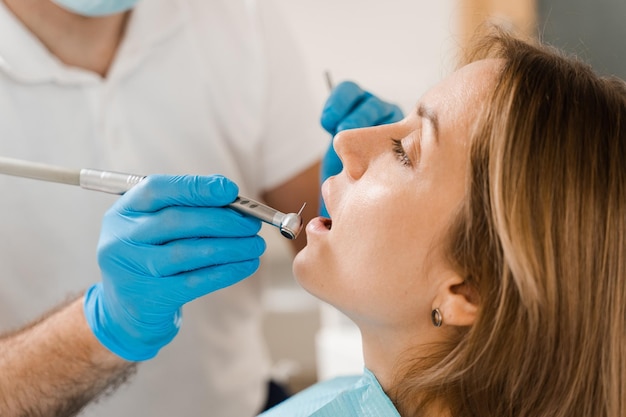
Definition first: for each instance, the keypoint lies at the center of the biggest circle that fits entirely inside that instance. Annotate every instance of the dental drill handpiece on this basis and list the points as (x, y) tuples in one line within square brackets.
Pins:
[(110, 182), (289, 224)]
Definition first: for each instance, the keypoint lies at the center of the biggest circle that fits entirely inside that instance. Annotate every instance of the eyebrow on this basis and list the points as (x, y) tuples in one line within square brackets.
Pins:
[(429, 114)]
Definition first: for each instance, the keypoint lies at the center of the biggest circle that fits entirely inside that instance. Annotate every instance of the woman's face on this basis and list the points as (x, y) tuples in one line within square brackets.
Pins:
[(400, 188)]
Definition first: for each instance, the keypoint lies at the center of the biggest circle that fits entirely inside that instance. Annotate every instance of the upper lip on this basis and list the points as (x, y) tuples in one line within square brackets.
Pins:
[(325, 194)]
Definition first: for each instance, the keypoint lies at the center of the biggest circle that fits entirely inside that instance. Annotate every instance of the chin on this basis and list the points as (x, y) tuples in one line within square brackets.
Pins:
[(307, 270), (299, 265)]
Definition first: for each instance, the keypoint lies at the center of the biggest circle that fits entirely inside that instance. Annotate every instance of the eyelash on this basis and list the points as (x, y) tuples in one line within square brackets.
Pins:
[(401, 154)]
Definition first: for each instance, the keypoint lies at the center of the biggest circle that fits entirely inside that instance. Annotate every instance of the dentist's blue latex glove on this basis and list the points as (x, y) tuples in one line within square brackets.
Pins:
[(164, 243), (350, 107)]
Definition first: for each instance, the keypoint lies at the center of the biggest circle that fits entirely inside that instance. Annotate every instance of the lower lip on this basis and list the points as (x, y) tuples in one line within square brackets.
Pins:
[(316, 226)]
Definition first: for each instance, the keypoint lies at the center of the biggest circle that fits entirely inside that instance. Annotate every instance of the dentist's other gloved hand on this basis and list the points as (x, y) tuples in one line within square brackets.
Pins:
[(351, 107), (164, 243)]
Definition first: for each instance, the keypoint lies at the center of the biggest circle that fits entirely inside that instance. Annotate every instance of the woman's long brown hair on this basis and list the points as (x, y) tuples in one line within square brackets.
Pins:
[(541, 237)]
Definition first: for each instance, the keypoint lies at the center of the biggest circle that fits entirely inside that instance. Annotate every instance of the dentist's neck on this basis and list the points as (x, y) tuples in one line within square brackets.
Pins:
[(88, 43)]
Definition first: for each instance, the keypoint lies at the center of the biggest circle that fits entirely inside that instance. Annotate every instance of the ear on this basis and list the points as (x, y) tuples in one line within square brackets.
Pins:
[(457, 301)]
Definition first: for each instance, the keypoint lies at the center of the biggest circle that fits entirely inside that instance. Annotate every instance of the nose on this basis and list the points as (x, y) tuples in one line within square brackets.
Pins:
[(356, 148), (346, 144)]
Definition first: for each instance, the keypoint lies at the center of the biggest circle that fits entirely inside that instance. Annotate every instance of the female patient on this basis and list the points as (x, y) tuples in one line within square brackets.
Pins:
[(479, 246)]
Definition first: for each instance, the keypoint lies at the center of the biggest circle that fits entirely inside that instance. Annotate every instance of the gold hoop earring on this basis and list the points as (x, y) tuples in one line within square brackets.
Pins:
[(436, 317)]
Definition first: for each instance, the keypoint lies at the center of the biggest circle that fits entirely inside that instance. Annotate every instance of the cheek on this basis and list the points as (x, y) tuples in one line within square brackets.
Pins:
[(345, 259), (373, 277), (372, 255)]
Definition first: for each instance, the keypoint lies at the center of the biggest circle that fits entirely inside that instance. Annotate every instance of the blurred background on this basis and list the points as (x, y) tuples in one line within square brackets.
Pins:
[(398, 49)]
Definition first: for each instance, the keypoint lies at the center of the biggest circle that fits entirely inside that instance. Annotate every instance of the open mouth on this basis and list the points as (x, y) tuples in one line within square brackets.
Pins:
[(328, 223)]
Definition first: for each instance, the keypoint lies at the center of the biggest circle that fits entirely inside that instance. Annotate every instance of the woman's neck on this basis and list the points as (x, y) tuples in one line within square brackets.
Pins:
[(384, 352), (83, 42)]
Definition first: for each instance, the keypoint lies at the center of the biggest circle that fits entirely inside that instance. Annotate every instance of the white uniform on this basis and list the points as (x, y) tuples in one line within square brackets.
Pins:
[(198, 86)]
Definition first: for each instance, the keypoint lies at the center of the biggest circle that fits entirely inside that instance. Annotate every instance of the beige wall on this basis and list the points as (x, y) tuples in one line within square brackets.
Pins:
[(519, 14)]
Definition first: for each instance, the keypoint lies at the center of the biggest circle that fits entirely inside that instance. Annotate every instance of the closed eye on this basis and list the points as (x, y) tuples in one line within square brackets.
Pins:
[(401, 154)]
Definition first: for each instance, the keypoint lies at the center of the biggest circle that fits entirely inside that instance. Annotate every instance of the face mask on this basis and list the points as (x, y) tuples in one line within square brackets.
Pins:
[(96, 7)]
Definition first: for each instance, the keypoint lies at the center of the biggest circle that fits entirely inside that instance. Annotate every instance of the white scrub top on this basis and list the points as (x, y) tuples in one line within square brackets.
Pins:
[(199, 87)]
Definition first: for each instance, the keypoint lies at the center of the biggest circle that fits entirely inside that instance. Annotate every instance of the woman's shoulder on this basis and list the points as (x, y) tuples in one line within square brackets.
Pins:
[(348, 396)]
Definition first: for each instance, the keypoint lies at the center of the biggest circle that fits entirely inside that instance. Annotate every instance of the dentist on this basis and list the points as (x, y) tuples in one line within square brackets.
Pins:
[(160, 86)]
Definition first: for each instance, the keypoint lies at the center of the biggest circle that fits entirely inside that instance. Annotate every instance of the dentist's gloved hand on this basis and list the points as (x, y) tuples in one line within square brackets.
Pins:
[(164, 243), (350, 107)]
